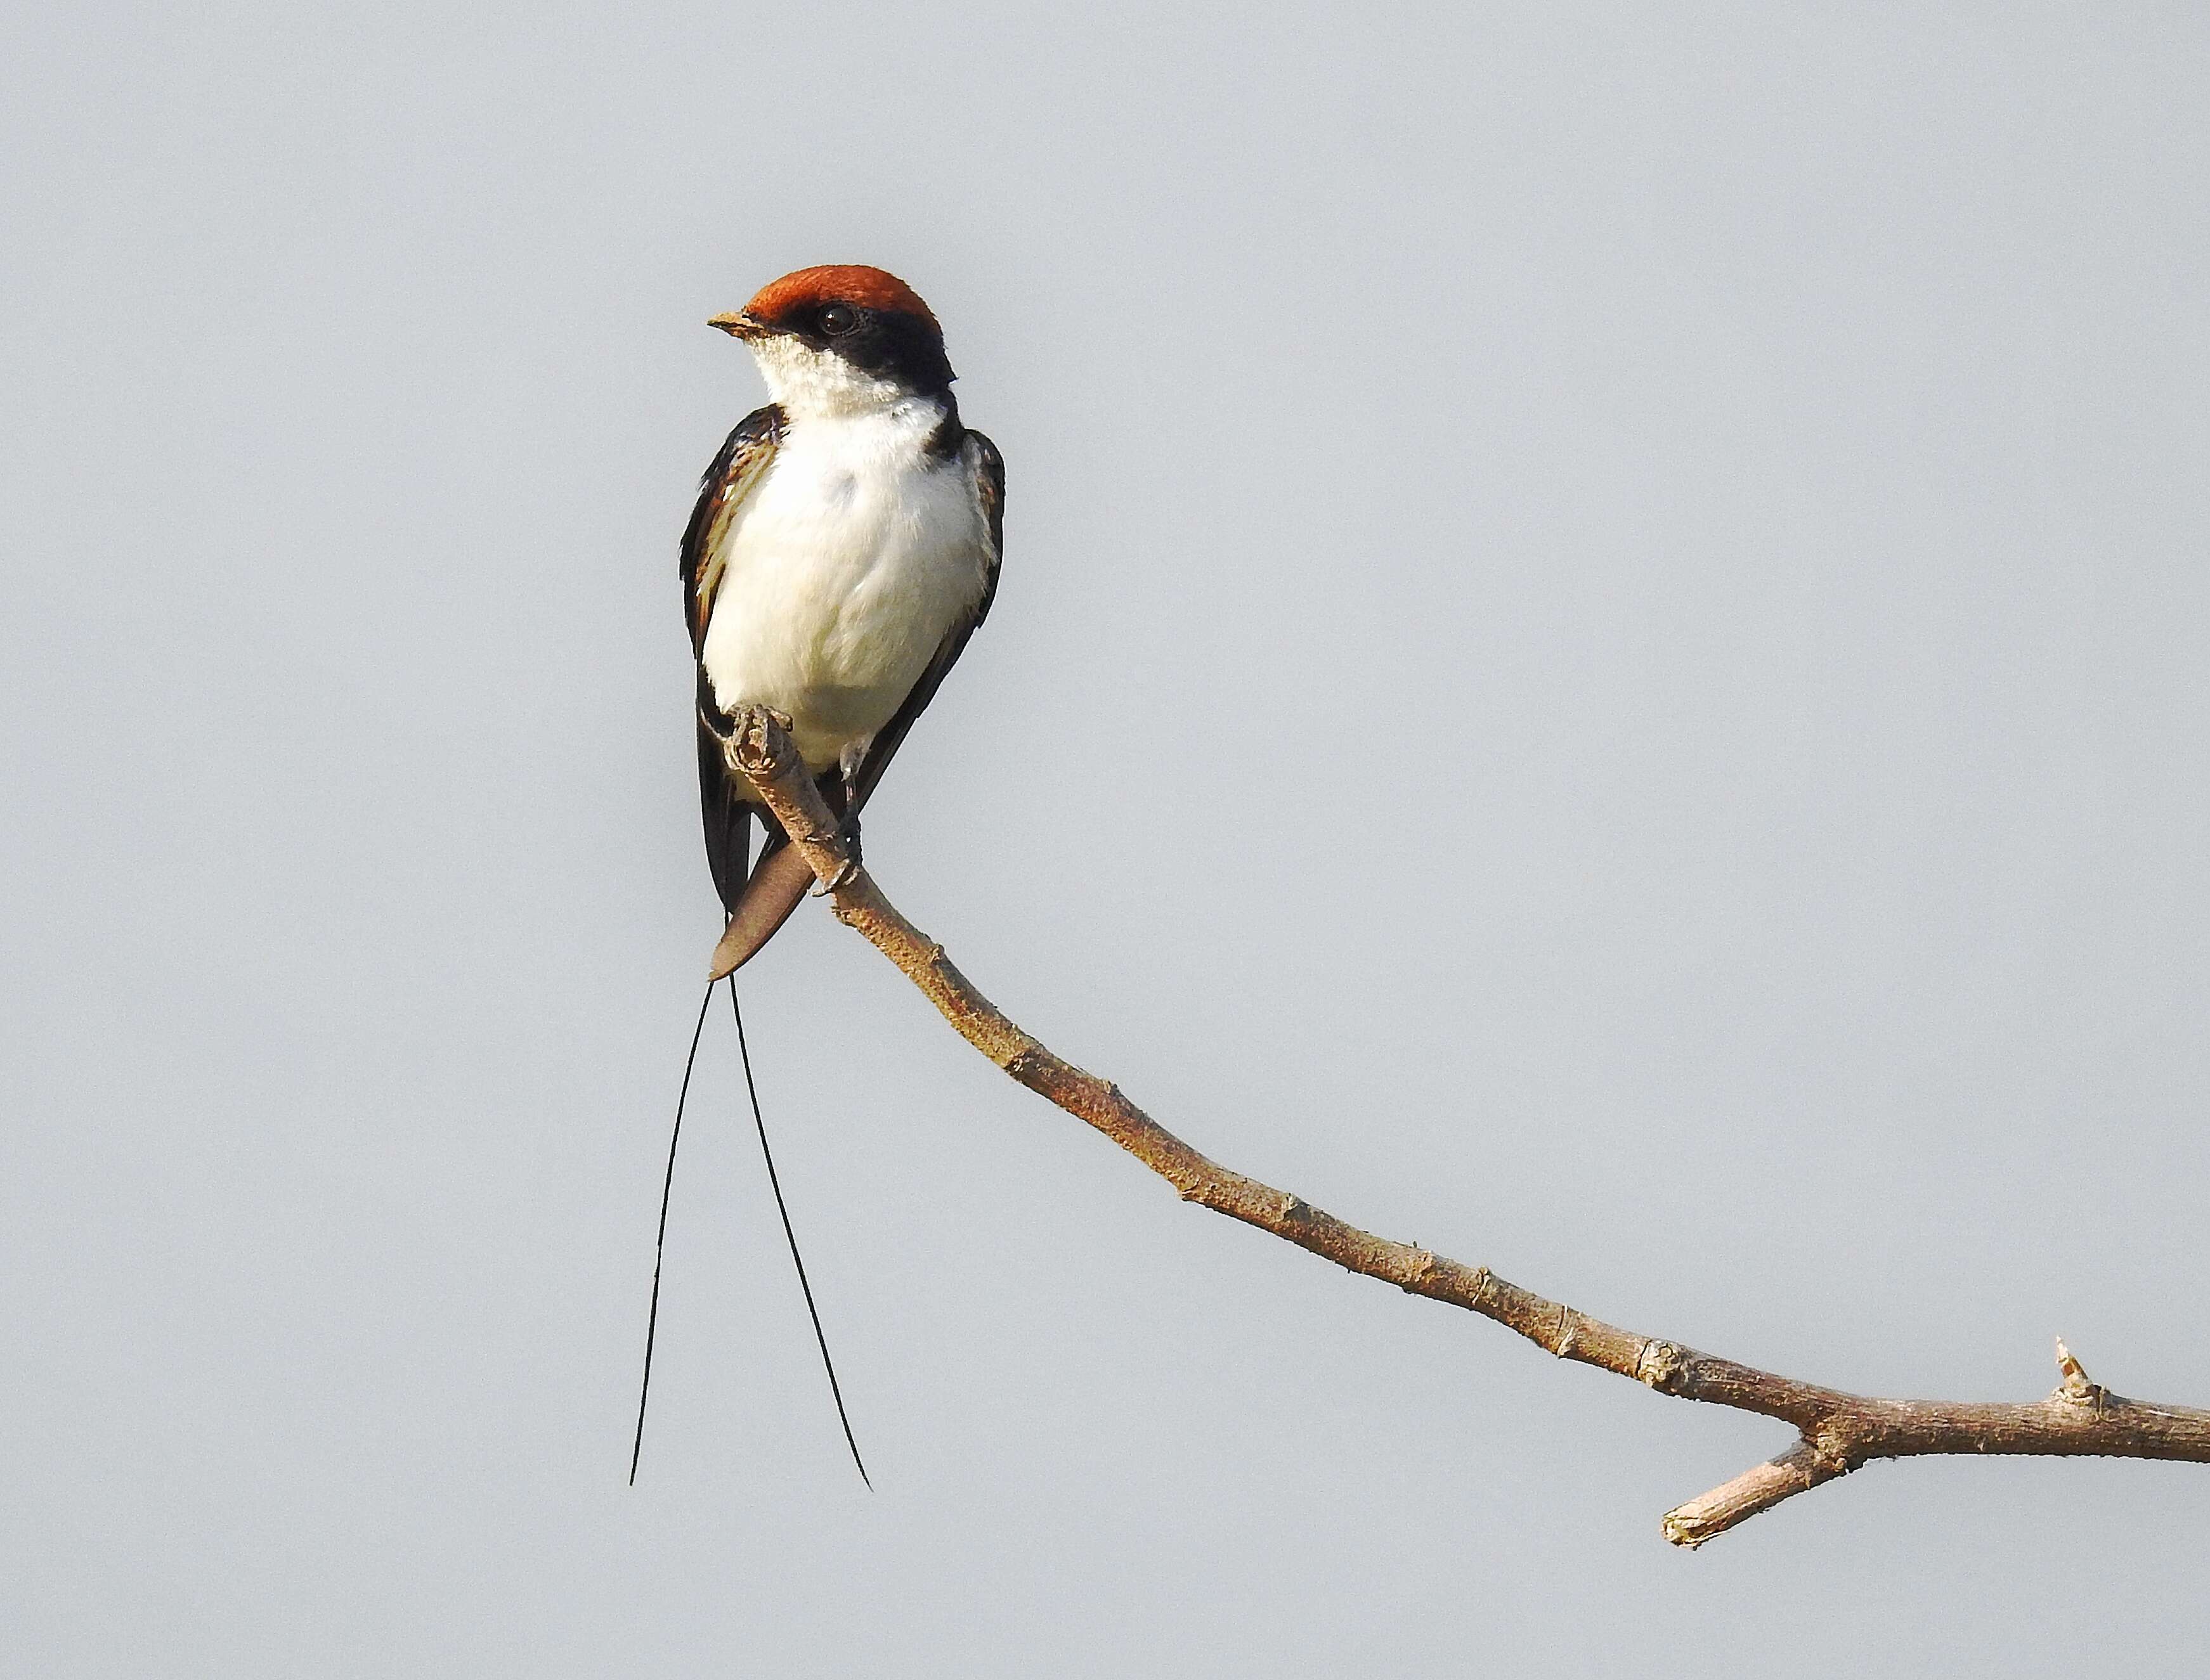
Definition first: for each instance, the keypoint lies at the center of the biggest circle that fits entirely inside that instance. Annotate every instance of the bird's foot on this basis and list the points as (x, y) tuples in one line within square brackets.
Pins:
[(844, 877)]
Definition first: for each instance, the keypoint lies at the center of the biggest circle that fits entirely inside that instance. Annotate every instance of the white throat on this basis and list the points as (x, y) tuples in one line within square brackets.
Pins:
[(809, 383)]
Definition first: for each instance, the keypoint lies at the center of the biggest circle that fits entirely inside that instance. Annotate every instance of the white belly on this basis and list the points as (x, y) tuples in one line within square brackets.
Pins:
[(843, 570)]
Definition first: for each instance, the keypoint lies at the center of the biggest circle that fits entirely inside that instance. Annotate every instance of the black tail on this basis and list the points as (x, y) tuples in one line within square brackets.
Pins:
[(828, 1364)]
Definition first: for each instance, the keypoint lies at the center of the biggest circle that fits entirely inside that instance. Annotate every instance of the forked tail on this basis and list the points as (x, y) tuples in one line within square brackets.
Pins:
[(660, 1242)]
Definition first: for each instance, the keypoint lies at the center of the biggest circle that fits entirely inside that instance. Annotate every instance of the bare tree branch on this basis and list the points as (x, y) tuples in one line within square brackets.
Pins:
[(1837, 1431)]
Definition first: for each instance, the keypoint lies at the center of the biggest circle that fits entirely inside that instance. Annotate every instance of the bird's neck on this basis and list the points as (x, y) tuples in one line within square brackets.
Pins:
[(814, 386)]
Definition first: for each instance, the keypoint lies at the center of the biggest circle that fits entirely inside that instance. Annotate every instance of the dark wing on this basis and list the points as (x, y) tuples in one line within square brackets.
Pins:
[(743, 460), (990, 489), (729, 480)]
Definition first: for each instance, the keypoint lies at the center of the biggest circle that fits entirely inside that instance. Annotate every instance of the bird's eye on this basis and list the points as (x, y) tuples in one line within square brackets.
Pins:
[(837, 319)]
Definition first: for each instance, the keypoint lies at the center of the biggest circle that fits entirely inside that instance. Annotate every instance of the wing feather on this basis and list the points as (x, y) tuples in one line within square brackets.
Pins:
[(732, 475)]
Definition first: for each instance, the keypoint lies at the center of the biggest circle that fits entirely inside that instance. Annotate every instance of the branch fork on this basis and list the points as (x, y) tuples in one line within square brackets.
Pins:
[(1836, 1432)]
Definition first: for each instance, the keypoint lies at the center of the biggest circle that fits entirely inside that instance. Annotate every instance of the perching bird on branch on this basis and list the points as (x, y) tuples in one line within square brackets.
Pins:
[(844, 547)]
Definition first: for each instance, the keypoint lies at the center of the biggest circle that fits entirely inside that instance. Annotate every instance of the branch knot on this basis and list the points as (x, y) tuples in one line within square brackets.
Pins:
[(1661, 1365), (1567, 1333), (2077, 1389), (1833, 1448)]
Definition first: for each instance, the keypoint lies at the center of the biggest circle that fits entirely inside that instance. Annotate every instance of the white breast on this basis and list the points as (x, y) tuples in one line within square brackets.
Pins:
[(843, 570)]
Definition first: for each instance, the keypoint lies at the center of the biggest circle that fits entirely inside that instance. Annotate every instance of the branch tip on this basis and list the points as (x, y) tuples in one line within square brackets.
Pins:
[(760, 747)]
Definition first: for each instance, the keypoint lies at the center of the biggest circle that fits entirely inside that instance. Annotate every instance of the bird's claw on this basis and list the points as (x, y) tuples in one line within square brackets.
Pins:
[(847, 832), (845, 874)]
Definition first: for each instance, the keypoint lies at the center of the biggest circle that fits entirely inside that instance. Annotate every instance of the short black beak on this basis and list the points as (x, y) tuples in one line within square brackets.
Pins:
[(738, 325)]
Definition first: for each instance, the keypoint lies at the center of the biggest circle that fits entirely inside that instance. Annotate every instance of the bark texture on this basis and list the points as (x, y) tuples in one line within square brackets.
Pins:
[(1837, 1431)]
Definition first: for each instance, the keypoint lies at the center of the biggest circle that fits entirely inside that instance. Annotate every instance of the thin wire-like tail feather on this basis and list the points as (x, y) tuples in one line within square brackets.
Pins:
[(660, 1242), (774, 1184)]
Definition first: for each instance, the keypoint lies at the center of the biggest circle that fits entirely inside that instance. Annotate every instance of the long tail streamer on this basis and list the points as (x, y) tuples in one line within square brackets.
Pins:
[(828, 1364), (660, 1242)]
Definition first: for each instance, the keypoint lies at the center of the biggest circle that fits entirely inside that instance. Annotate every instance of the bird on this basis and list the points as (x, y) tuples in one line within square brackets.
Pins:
[(843, 549)]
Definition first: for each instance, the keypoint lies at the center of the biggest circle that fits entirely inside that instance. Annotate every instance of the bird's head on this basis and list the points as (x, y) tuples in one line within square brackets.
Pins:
[(842, 339)]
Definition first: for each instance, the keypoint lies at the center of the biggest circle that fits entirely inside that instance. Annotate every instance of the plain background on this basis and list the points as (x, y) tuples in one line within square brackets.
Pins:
[(1600, 666)]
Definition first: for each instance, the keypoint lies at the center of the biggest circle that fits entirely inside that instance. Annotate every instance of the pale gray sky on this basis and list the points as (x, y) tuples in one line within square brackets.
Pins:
[(1729, 485)]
